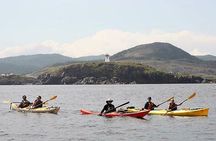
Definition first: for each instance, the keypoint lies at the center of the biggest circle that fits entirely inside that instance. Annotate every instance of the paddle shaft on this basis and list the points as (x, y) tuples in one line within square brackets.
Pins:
[(183, 102), (165, 101), (54, 97), (122, 105)]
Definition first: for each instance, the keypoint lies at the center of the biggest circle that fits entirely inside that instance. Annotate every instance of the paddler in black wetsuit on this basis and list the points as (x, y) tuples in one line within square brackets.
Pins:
[(149, 105), (108, 107), (24, 103)]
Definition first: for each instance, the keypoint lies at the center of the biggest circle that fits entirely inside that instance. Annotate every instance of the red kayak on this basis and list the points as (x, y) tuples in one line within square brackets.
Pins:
[(138, 114)]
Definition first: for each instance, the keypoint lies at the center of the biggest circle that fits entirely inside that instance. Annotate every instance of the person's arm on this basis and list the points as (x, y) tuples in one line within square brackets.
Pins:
[(155, 105), (146, 105), (102, 111), (20, 105), (170, 107)]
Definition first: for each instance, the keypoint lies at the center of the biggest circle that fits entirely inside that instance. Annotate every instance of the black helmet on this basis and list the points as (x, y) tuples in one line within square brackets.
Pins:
[(39, 97), (149, 98), (24, 96)]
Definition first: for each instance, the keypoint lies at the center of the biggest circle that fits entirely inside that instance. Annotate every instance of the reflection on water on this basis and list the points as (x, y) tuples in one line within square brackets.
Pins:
[(70, 125)]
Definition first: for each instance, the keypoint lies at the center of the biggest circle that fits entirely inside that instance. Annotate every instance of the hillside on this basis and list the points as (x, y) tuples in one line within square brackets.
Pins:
[(110, 73), (154, 51), (207, 57), (30, 63), (168, 58), (17, 80)]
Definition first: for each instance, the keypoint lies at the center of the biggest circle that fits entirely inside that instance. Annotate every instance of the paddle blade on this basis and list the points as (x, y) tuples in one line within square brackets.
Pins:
[(170, 99), (7, 101), (193, 95), (54, 97)]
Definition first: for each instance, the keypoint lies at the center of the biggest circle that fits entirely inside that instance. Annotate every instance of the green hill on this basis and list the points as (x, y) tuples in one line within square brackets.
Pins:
[(110, 73), (168, 58), (29, 63), (207, 57), (154, 51)]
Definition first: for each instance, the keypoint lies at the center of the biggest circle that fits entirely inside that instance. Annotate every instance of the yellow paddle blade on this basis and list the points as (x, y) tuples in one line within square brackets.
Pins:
[(7, 101), (194, 94), (170, 99), (54, 97)]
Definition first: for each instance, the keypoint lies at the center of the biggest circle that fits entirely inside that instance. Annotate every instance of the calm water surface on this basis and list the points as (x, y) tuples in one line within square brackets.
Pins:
[(68, 124)]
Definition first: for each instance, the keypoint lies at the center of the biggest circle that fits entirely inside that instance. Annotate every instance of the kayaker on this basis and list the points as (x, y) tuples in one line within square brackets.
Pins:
[(173, 106), (109, 107), (24, 103), (149, 104), (37, 103)]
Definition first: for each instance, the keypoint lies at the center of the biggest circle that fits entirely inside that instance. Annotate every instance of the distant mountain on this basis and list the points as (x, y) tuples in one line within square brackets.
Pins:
[(207, 57), (29, 63), (154, 51), (168, 58)]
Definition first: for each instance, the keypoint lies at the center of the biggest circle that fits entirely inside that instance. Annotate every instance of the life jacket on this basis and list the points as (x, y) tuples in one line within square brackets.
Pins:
[(172, 106), (150, 105)]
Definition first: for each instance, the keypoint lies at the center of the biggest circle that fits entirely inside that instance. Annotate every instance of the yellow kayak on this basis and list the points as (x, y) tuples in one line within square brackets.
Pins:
[(45, 109), (180, 112)]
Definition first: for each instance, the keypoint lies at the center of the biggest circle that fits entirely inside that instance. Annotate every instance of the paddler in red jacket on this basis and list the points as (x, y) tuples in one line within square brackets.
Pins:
[(149, 104)]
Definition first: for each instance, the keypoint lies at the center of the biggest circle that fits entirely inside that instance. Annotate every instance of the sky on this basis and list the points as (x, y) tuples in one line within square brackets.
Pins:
[(93, 27)]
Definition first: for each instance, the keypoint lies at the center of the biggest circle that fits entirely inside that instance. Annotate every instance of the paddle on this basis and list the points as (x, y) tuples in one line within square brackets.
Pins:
[(118, 106), (190, 97), (52, 98), (8, 102), (165, 101)]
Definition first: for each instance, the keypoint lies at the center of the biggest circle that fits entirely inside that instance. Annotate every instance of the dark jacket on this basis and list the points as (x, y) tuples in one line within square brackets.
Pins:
[(150, 106), (173, 106), (108, 108), (24, 103), (37, 103)]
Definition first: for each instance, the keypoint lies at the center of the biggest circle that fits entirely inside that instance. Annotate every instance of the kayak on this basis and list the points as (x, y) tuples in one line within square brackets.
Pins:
[(181, 112), (138, 114), (45, 109)]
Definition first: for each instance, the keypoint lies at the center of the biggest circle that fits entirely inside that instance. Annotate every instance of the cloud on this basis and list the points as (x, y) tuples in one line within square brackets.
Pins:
[(112, 41)]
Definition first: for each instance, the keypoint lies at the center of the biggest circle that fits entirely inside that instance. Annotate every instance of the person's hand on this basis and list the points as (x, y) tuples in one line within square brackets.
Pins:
[(100, 114)]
